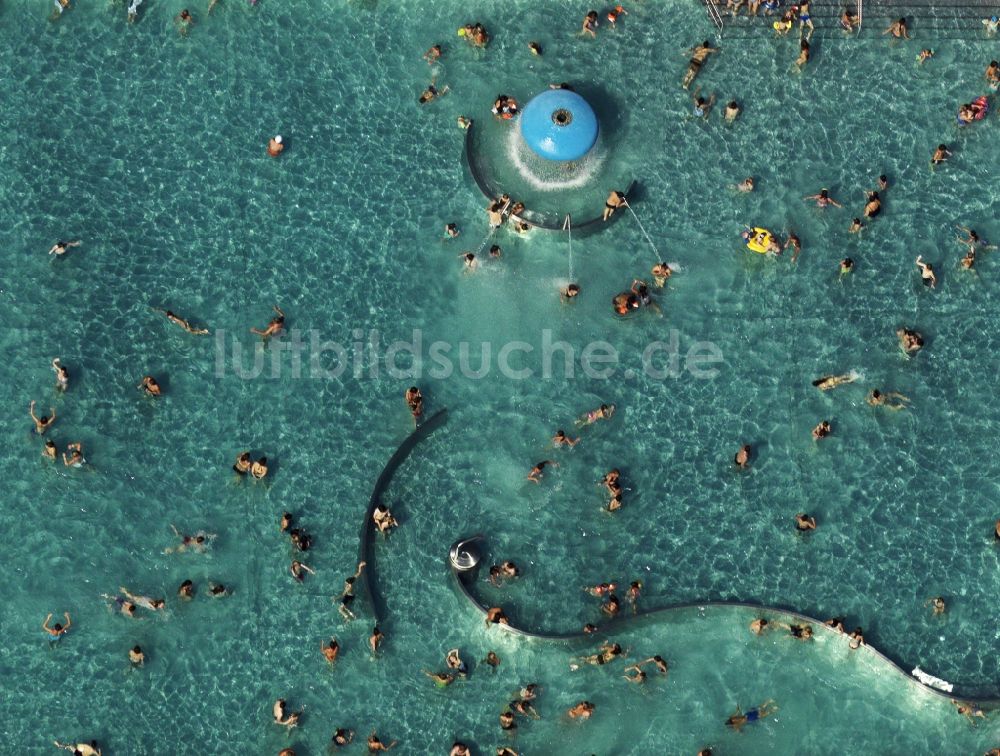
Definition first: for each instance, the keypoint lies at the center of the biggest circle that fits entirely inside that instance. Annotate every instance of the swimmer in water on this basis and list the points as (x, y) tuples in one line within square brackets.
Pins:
[(415, 402), (60, 248), (150, 386), (856, 226), (941, 154), (804, 51), (759, 625), (299, 570), (433, 54), (347, 594), (746, 185), (259, 469), (146, 602), (823, 199), (795, 243), (496, 252), (469, 260), (79, 749), (614, 201), (453, 660), (57, 630), (890, 400), (612, 606), (507, 723), (342, 737), (632, 595), (968, 710), (383, 519), (275, 146), (828, 382), (375, 745), (431, 93), (614, 13), (589, 25), (702, 107), (804, 522), (459, 748), (857, 639), (179, 321), (603, 412), (49, 451), (217, 590), (136, 656), (600, 590), (658, 662), (185, 20), (732, 111), (284, 717), (801, 632), (993, 73), (846, 266), (243, 463), (125, 607), (661, 272), (197, 542), (62, 375), (496, 616), (634, 674), (375, 640), (44, 422), (492, 660), (699, 53), (883, 182), (972, 240), (186, 590), (75, 458), (272, 328), (561, 439), (910, 341), (805, 21), (849, 20), (898, 29), (926, 272), (739, 719), (937, 605), (441, 679), (822, 430), (524, 708), (742, 457), (537, 471), (571, 291), (873, 204), (582, 710), (451, 230), (925, 54), (836, 623), (536, 49)]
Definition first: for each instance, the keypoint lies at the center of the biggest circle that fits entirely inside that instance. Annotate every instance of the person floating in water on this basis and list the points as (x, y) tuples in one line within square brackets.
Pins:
[(415, 403), (613, 15), (822, 430), (274, 327), (61, 248), (589, 25), (941, 154), (347, 594), (375, 745), (898, 29), (537, 471), (937, 605), (150, 386), (699, 53), (75, 458), (614, 201), (258, 470), (846, 266), (62, 375), (603, 412), (890, 400), (926, 272), (795, 243), (561, 439), (146, 602), (384, 519), (702, 107), (375, 640), (44, 422), (828, 382), (184, 21), (475, 34), (823, 199), (804, 52), (49, 451), (731, 113), (582, 710), (433, 54), (571, 291), (79, 749), (910, 341), (342, 737), (197, 542), (432, 93), (739, 719), (661, 272), (179, 321), (968, 710), (284, 717), (535, 48), (991, 25), (57, 630), (804, 522), (299, 570), (742, 457)]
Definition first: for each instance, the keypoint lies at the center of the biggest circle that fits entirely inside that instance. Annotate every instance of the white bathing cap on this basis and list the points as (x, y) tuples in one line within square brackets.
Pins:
[(278, 139)]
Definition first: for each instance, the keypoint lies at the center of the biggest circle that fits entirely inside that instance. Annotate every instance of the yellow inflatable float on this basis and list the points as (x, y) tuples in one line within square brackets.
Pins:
[(760, 240)]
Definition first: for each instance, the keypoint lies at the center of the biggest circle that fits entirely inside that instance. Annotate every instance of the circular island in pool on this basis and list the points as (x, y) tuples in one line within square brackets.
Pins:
[(559, 125)]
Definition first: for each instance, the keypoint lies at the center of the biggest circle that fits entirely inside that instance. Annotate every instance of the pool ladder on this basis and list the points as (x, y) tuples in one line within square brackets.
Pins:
[(716, 16)]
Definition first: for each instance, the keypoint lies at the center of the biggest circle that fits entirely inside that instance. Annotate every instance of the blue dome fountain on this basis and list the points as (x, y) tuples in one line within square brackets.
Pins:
[(559, 125)]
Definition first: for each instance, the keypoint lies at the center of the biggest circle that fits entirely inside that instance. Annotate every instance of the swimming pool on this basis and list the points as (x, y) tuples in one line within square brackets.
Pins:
[(150, 148)]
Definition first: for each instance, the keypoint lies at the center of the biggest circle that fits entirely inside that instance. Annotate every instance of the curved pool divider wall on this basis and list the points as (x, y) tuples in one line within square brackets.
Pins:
[(367, 536), (464, 581), (544, 221)]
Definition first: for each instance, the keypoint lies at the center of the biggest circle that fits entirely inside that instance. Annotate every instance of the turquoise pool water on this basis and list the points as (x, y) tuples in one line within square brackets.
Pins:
[(150, 147)]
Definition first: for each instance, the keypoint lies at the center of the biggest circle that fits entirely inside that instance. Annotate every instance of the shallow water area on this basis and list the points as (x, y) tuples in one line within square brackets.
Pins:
[(149, 146)]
